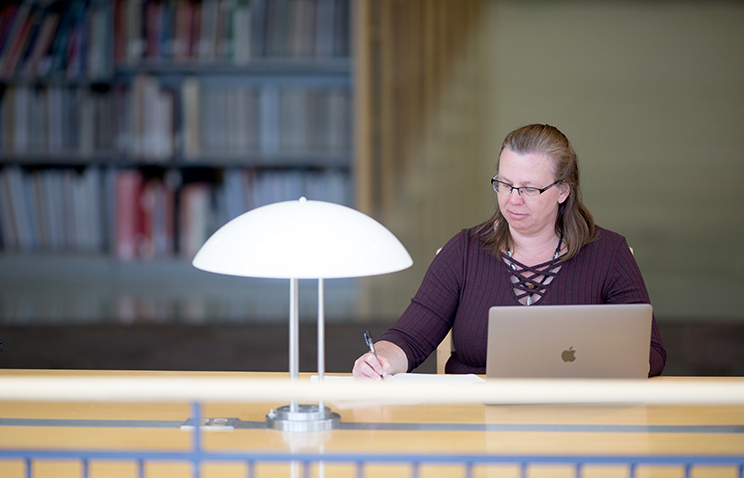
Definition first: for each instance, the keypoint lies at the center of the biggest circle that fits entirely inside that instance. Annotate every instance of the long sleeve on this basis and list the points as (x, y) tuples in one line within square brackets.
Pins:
[(430, 315)]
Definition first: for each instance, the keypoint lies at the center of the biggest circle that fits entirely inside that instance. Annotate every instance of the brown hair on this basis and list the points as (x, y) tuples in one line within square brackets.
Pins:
[(574, 222)]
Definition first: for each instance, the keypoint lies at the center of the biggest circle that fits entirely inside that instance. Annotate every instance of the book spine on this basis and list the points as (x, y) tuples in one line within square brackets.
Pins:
[(128, 228)]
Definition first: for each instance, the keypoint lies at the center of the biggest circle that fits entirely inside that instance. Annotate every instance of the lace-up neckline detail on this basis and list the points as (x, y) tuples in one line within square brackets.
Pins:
[(531, 282)]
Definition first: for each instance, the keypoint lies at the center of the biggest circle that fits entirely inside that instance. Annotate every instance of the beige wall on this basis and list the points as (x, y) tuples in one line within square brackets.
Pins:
[(652, 96)]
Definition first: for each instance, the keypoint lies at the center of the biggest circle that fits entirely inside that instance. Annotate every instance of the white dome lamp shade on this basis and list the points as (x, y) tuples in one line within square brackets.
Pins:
[(303, 240)]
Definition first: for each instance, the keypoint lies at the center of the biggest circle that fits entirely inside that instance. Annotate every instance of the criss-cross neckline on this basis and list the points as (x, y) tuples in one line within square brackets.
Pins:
[(525, 280)]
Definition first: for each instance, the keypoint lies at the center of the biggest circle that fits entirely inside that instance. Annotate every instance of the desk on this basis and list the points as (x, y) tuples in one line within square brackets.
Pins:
[(420, 429)]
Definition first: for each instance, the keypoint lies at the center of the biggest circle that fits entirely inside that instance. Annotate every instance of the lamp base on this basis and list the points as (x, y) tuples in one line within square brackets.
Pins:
[(307, 418)]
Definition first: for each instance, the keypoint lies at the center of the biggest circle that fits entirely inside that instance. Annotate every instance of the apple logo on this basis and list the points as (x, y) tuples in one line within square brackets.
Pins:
[(569, 355)]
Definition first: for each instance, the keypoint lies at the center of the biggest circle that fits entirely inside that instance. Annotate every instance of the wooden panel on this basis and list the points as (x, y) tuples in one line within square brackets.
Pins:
[(408, 51)]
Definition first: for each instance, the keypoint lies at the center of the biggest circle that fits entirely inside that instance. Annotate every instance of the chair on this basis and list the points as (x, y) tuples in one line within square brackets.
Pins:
[(444, 349)]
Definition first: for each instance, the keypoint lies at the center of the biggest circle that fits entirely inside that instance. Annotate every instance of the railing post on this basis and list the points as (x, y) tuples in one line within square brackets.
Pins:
[(196, 444)]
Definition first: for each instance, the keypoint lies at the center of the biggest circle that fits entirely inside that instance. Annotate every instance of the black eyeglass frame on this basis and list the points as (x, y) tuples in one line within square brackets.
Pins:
[(494, 181)]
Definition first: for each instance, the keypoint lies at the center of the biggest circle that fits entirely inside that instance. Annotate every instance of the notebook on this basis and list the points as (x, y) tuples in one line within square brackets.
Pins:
[(569, 341)]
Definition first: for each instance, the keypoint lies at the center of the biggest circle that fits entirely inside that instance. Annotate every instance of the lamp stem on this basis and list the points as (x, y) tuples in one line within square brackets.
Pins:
[(294, 335), (321, 336)]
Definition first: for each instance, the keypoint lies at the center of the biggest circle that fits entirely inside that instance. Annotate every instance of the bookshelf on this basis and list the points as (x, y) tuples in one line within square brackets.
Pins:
[(131, 129)]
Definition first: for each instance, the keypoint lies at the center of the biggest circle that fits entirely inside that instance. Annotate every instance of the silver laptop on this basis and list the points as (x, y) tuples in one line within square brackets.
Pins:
[(569, 341)]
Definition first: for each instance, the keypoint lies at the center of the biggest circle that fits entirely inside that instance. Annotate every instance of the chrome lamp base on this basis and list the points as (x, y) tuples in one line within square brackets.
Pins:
[(307, 418)]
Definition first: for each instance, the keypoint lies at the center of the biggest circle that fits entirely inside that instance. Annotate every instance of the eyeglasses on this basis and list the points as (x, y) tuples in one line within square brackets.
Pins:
[(527, 191)]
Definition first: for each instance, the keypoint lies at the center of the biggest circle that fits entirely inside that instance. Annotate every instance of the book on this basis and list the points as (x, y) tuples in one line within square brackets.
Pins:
[(91, 184), (17, 31), (208, 30), (341, 28), (241, 28), (55, 118), (99, 45), (318, 118), (258, 28), (69, 211), (190, 94), (324, 28), (21, 123), (293, 120), (167, 30), (193, 51), (128, 214), (28, 209), (134, 26), (42, 43), (164, 219), (120, 32), (36, 121), (11, 229), (55, 59), (54, 204), (87, 123), (246, 120), (41, 212), (147, 202), (7, 18), (277, 25), (339, 121), (153, 30), (161, 126), (105, 123), (269, 116), (194, 215), (76, 40), (223, 46), (302, 28)]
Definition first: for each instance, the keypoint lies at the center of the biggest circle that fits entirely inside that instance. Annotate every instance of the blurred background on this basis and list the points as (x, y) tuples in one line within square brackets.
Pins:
[(131, 130)]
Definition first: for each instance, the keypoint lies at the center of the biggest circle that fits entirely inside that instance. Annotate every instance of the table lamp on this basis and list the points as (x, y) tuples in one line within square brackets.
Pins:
[(295, 240)]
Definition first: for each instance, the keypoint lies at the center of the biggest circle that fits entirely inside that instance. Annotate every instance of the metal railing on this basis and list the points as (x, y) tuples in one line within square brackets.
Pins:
[(302, 463)]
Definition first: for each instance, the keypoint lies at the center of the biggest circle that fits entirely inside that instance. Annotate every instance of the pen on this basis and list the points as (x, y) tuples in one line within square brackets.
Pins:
[(368, 339)]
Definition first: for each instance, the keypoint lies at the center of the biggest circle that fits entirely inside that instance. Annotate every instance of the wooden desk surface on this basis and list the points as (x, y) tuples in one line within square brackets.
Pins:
[(464, 429)]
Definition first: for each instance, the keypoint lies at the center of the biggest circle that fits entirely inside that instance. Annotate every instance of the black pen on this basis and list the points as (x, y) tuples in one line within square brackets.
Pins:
[(368, 339)]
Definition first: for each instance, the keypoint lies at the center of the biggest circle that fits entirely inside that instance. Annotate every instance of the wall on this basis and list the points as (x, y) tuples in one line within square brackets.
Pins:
[(652, 96)]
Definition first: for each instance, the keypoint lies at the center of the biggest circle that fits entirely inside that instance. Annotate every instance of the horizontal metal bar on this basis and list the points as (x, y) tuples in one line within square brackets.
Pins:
[(239, 389), (433, 427), (135, 455)]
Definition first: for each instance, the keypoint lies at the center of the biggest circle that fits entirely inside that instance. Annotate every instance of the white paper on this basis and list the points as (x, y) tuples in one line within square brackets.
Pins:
[(400, 377)]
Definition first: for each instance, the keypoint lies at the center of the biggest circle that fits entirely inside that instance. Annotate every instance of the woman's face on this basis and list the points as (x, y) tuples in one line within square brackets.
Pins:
[(535, 215)]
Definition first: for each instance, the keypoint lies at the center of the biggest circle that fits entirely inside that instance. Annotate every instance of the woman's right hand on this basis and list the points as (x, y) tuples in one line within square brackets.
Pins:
[(390, 360), (370, 367)]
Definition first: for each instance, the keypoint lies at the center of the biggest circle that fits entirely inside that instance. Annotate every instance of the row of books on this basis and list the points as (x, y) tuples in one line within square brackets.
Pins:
[(82, 39), (59, 38), (233, 31), (141, 121), (271, 120), (137, 215), (57, 120)]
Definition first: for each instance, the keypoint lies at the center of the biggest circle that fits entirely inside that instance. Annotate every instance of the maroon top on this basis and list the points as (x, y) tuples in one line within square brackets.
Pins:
[(464, 281)]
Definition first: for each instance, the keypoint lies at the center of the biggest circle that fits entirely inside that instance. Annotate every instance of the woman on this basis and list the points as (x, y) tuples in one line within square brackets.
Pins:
[(540, 247)]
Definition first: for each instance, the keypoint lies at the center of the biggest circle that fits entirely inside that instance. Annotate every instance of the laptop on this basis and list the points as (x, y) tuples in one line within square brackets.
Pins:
[(569, 341)]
